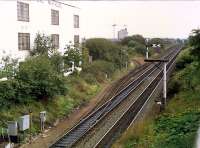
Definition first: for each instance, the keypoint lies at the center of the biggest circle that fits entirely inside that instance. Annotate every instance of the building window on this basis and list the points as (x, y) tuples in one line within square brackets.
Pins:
[(22, 12), (55, 40), (24, 41), (54, 17), (76, 21), (76, 39)]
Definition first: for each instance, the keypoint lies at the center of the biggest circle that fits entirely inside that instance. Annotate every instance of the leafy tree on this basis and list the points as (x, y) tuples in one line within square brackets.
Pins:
[(42, 45), (72, 54), (98, 70), (57, 60), (140, 49), (103, 49), (136, 38), (139, 38), (194, 41), (9, 67), (132, 43), (99, 48), (85, 56), (126, 40), (42, 78)]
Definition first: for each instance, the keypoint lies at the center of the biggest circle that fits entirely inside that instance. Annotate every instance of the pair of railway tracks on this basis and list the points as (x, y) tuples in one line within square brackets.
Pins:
[(97, 127)]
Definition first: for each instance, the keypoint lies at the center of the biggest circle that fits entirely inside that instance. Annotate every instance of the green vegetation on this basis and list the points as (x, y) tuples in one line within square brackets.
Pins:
[(103, 49), (39, 83), (176, 127)]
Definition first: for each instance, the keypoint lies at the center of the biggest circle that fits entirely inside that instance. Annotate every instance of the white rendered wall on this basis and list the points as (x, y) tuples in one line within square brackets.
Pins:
[(39, 21)]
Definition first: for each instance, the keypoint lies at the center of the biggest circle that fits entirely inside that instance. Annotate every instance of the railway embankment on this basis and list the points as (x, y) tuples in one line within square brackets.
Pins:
[(177, 125)]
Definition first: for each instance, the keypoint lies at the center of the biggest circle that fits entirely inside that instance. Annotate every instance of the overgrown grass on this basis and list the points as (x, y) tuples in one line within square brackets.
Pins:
[(61, 106), (79, 93)]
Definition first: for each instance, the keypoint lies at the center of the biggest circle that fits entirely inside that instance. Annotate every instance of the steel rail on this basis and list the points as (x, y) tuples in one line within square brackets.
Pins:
[(102, 110), (98, 122), (139, 98), (99, 112)]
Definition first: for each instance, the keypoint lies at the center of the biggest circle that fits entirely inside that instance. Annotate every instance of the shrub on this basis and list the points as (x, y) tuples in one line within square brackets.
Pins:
[(136, 38), (57, 61), (103, 49), (132, 43), (40, 75), (140, 49), (184, 59), (9, 67), (100, 48), (99, 69), (72, 54), (194, 41), (42, 45)]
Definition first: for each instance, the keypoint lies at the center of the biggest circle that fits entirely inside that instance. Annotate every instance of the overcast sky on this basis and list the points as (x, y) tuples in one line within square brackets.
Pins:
[(152, 19)]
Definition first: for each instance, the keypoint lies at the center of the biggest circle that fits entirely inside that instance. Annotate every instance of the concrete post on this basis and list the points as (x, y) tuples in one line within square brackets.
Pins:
[(147, 54), (165, 83)]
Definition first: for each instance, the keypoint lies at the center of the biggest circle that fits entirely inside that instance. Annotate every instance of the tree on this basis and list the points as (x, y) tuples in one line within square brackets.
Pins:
[(126, 40), (85, 56), (72, 54), (194, 41), (43, 45), (136, 38), (57, 60), (39, 73), (9, 67), (103, 49), (139, 38)]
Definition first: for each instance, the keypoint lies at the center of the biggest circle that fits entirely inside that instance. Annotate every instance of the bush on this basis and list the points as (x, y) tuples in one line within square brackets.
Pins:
[(57, 61), (72, 55), (103, 49), (141, 49), (9, 67), (100, 49), (184, 59), (136, 38), (99, 69), (42, 45), (175, 130), (40, 75)]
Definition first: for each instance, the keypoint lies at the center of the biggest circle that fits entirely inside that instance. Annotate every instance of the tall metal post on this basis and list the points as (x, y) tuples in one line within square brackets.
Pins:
[(30, 130), (164, 98), (147, 53), (164, 83)]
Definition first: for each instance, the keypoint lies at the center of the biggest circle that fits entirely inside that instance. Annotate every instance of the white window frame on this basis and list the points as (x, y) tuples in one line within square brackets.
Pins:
[(54, 17), (76, 21), (22, 11), (23, 41)]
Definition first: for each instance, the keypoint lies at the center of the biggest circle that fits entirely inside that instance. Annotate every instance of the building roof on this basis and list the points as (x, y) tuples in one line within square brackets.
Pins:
[(63, 3)]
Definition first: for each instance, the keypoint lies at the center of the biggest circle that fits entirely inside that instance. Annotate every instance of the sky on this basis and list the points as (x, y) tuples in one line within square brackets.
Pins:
[(173, 19)]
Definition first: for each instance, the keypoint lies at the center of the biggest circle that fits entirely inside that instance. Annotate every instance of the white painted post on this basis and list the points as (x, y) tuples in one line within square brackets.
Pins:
[(147, 54), (164, 83), (147, 51)]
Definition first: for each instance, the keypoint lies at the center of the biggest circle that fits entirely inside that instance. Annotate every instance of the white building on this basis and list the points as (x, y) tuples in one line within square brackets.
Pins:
[(21, 20), (122, 34)]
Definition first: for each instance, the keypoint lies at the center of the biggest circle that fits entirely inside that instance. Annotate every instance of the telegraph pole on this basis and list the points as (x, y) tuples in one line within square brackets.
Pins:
[(164, 98)]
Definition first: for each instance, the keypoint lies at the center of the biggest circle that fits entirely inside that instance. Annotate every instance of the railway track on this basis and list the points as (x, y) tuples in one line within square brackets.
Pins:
[(98, 123)]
